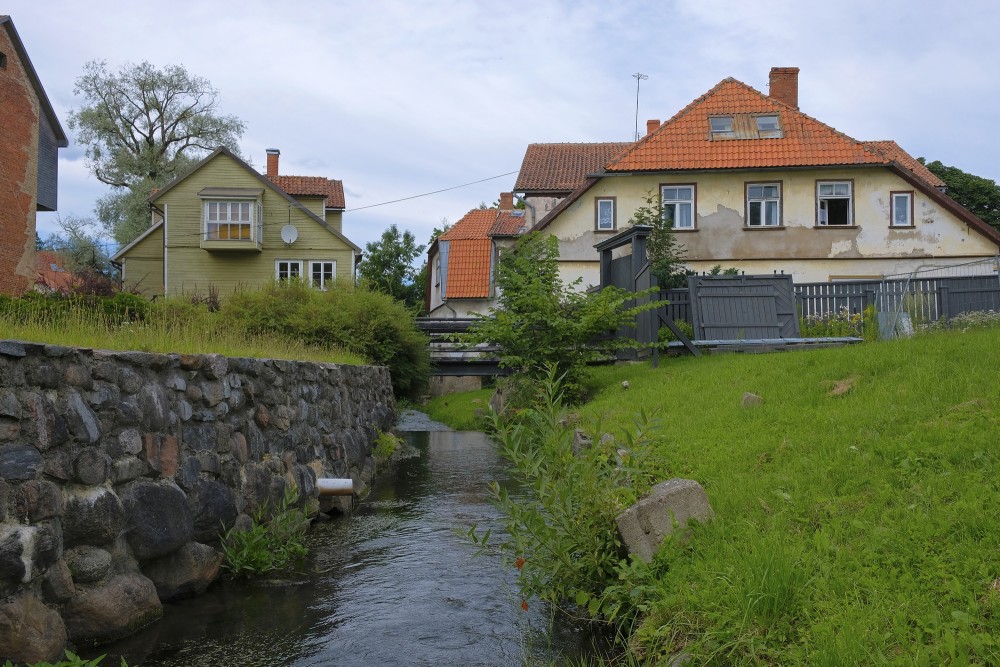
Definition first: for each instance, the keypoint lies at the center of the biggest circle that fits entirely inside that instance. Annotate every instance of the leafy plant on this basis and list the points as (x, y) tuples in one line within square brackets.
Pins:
[(386, 445), (540, 322), (666, 256), (560, 524), (353, 318), (270, 544), (71, 660)]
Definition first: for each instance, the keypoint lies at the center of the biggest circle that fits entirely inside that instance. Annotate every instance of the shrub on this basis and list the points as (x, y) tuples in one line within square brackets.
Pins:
[(562, 535), (665, 335), (386, 445), (269, 544), (345, 316)]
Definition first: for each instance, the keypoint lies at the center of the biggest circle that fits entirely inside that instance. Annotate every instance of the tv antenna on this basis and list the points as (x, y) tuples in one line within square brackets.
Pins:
[(638, 76)]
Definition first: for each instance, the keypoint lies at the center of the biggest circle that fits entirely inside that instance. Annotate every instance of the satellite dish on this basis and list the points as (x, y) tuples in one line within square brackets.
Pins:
[(289, 234)]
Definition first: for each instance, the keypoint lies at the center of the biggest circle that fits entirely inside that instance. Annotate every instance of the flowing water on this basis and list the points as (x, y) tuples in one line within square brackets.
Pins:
[(394, 583)]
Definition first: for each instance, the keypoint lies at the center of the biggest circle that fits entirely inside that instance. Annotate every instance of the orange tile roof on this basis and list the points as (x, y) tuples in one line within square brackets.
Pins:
[(562, 167), (49, 272), (315, 186), (508, 223), (470, 250), (893, 151), (685, 141)]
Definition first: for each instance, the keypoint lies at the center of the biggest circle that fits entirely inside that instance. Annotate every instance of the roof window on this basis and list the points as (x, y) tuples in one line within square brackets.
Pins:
[(767, 124), (722, 126)]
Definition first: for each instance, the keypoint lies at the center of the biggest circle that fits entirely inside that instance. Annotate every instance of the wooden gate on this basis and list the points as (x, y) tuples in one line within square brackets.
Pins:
[(743, 307)]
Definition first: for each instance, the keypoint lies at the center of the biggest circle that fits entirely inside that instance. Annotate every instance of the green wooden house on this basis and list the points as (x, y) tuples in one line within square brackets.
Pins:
[(222, 226)]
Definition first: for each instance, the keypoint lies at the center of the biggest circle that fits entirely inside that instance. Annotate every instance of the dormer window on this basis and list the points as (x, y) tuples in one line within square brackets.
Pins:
[(722, 126)]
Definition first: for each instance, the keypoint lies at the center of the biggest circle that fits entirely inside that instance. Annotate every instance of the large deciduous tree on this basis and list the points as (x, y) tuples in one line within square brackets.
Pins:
[(979, 195), (141, 127), (388, 266)]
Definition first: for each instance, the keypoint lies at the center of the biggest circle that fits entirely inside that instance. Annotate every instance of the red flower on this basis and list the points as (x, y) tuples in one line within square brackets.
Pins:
[(519, 562), (524, 605)]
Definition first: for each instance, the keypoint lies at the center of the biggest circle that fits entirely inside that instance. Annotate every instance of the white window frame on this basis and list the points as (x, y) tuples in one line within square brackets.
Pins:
[(827, 191), (322, 285), (675, 205), (287, 269), (894, 207), (222, 210), (605, 203), (766, 202), (767, 118)]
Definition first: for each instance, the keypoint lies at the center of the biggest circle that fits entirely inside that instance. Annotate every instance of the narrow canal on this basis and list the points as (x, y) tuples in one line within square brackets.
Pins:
[(394, 583)]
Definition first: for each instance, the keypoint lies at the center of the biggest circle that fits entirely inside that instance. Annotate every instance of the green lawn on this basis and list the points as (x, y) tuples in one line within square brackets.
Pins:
[(857, 508)]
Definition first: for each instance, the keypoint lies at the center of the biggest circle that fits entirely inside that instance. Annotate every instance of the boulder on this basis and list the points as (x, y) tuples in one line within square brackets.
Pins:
[(30, 632), (186, 572), (159, 520), (88, 564), (57, 584), (19, 462), (117, 608), (92, 516), (214, 509), (644, 525)]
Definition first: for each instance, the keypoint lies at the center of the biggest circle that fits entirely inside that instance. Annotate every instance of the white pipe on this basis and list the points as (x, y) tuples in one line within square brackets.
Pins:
[(329, 486)]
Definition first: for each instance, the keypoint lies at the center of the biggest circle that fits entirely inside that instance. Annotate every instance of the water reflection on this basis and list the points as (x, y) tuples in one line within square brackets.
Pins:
[(395, 583)]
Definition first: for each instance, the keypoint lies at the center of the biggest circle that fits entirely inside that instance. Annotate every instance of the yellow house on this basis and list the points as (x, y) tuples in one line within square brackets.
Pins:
[(222, 226), (751, 182)]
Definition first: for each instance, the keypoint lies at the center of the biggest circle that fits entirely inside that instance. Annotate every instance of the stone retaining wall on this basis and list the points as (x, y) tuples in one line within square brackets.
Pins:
[(119, 469)]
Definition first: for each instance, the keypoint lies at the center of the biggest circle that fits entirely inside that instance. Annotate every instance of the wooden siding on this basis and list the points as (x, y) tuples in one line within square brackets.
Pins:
[(142, 265), (193, 270)]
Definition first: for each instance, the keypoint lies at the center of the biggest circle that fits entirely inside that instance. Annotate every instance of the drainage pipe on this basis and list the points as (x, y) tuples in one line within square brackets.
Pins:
[(329, 486)]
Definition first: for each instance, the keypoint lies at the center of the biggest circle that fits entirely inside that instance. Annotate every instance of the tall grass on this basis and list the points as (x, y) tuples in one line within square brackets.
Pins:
[(167, 327)]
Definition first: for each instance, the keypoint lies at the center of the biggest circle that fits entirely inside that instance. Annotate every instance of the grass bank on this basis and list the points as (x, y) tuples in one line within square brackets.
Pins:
[(857, 509), (171, 327)]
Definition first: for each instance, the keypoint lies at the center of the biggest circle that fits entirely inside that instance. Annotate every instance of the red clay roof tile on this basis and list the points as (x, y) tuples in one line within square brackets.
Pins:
[(562, 167), (893, 151), (316, 186), (685, 141)]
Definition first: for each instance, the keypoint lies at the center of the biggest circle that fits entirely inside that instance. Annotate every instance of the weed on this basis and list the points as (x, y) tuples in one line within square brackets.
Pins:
[(70, 660), (386, 445), (270, 544)]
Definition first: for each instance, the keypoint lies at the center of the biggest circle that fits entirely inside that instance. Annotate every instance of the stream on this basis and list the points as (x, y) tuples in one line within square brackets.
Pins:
[(396, 582)]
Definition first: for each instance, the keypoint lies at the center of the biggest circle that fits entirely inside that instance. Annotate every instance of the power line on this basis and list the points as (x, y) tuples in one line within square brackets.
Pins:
[(426, 194)]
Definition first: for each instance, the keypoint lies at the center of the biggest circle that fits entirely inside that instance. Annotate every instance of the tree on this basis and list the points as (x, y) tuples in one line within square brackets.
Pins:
[(543, 325), (979, 195), (666, 256), (387, 266), (141, 127)]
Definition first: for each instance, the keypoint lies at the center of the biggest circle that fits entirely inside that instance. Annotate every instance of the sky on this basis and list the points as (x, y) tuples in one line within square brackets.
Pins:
[(398, 98)]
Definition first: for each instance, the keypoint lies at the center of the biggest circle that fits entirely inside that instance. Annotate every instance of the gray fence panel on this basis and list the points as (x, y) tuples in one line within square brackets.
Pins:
[(743, 307), (964, 295)]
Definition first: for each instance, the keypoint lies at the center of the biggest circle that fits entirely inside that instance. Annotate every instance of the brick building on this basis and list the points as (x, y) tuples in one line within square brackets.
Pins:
[(29, 141)]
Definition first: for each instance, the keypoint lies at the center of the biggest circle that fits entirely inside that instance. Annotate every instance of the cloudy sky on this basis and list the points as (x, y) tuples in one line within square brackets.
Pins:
[(399, 98)]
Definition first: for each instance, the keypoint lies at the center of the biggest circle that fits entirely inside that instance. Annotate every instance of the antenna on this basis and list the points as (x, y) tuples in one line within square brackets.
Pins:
[(638, 76)]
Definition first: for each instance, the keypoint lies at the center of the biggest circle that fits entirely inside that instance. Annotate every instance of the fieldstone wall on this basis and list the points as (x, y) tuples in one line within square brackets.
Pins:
[(119, 469)]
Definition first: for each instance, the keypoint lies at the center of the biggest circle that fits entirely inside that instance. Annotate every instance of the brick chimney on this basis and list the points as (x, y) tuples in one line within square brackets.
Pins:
[(272, 161), (651, 125), (784, 85), (506, 201)]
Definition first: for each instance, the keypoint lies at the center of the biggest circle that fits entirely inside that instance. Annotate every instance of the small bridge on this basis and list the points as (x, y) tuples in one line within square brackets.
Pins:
[(449, 358)]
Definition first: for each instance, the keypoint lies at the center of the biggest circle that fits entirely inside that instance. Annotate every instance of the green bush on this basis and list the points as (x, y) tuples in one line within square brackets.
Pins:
[(561, 529), (345, 316), (665, 335), (270, 544)]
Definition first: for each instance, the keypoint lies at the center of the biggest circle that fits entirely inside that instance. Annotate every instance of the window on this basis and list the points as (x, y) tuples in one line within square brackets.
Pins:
[(322, 273), (901, 214), (834, 203), (767, 123), (3, 60), (286, 269), (605, 214), (229, 220), (678, 205), (763, 205), (722, 126)]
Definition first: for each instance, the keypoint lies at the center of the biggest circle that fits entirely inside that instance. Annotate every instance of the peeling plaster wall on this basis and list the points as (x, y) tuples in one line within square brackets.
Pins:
[(811, 253)]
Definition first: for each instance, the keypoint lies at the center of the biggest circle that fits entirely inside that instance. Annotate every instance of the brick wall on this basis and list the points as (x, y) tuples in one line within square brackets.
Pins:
[(19, 113)]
